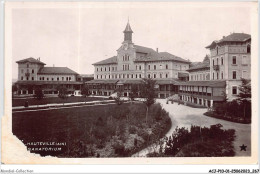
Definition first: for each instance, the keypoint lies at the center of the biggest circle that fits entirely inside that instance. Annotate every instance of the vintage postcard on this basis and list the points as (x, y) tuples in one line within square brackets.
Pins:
[(130, 83)]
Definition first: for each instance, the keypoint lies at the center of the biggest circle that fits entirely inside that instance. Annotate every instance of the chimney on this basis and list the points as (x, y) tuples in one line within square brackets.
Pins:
[(157, 50)]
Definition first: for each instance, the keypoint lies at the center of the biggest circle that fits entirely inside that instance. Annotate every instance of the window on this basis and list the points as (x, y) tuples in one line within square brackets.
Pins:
[(101, 76), (234, 90), (217, 61), (222, 75), (166, 75), (160, 75), (149, 67), (67, 78), (32, 71), (136, 76), (109, 69), (234, 60), (213, 63), (32, 78), (21, 70), (140, 67), (217, 75), (248, 50), (234, 75), (222, 61), (132, 76), (217, 50), (127, 76), (27, 65), (97, 76), (154, 76), (21, 77), (62, 78), (154, 67), (244, 60), (47, 78), (136, 67), (101, 69), (27, 78), (52, 79), (244, 74), (149, 75), (213, 76), (105, 69), (42, 78), (166, 66), (123, 76), (140, 76), (97, 69)]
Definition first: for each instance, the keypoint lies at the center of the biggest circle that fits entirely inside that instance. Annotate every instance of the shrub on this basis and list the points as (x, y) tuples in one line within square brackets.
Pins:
[(132, 130)]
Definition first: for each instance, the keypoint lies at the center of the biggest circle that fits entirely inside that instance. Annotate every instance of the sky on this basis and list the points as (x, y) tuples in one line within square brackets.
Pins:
[(78, 37)]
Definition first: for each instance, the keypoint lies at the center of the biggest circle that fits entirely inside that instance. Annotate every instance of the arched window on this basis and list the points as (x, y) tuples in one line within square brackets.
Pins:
[(154, 76), (154, 67), (149, 75)]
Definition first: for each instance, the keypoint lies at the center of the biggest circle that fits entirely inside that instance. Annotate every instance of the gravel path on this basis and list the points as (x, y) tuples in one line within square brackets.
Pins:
[(184, 116)]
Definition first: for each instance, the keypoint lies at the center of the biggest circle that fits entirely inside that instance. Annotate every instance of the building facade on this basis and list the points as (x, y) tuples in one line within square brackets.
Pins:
[(32, 73), (133, 63), (230, 60), (219, 78)]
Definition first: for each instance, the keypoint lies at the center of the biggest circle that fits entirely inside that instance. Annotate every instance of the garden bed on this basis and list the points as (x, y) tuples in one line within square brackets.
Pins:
[(96, 131)]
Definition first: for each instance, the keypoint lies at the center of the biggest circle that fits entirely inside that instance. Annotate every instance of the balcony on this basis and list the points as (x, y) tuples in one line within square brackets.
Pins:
[(216, 67)]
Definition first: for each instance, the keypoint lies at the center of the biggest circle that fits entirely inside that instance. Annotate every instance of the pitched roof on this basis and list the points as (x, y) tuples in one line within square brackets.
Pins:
[(56, 70), (211, 83), (111, 60), (31, 60), (200, 65), (234, 37), (128, 28), (152, 55)]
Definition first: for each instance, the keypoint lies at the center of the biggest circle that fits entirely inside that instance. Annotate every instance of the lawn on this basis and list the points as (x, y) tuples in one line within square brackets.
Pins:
[(93, 131), (33, 101)]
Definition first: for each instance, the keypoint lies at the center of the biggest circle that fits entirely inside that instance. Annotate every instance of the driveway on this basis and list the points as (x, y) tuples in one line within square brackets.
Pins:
[(184, 116)]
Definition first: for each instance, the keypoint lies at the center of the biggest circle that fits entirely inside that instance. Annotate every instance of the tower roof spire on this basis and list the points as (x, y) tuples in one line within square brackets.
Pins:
[(128, 28)]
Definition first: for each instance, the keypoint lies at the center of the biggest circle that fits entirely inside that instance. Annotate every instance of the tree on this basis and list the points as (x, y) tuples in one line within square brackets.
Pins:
[(85, 91), (148, 93), (244, 96), (134, 92), (63, 92), (118, 96), (38, 93)]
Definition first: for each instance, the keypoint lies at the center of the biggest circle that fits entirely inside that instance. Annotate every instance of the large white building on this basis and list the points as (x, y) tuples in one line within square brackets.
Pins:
[(133, 63)]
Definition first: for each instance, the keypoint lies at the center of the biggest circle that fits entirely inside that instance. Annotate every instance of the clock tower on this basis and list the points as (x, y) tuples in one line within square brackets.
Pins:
[(128, 33)]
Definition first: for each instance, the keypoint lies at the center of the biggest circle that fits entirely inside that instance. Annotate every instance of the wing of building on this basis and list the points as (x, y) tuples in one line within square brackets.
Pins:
[(32, 73)]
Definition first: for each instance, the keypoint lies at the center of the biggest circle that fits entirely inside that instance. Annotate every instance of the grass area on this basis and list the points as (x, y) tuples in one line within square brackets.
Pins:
[(93, 131), (34, 101)]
